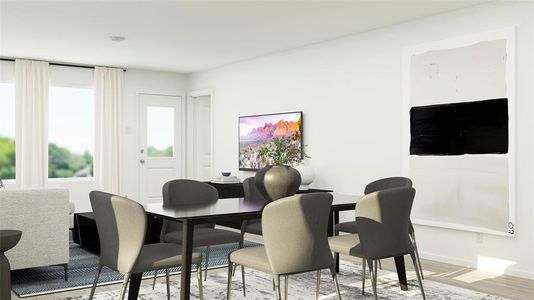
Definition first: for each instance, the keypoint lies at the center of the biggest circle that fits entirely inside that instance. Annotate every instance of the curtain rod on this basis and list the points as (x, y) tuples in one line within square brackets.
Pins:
[(61, 64)]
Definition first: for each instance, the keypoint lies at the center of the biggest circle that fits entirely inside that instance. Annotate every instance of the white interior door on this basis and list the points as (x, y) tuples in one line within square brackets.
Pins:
[(200, 148), (161, 142)]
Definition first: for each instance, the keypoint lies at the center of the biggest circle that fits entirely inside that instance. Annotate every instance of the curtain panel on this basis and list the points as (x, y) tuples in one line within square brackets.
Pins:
[(31, 97), (108, 103)]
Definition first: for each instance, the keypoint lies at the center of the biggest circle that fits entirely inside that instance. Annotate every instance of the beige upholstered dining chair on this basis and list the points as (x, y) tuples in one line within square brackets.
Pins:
[(192, 192), (383, 220), (378, 185), (295, 236), (121, 225)]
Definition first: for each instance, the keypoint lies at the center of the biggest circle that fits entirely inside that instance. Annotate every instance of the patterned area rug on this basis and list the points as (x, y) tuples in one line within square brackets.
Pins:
[(82, 269), (259, 286)]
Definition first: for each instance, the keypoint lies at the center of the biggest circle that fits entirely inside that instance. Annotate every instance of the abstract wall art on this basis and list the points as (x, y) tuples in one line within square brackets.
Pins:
[(459, 131)]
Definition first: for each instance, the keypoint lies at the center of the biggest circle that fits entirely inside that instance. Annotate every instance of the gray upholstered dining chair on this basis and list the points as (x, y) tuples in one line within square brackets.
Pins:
[(295, 236), (121, 225), (383, 220), (189, 192), (251, 193), (378, 185)]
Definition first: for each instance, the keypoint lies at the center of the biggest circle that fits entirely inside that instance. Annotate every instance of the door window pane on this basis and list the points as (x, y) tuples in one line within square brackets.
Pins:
[(7, 131), (160, 131), (71, 138)]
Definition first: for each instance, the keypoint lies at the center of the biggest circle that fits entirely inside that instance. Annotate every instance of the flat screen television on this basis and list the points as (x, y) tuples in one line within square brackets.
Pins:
[(259, 131), (477, 127)]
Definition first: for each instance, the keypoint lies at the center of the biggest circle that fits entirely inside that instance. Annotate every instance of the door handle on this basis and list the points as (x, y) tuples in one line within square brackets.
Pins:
[(142, 161)]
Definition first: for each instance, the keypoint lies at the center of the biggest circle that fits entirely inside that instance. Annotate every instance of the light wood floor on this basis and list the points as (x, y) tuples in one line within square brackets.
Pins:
[(500, 285)]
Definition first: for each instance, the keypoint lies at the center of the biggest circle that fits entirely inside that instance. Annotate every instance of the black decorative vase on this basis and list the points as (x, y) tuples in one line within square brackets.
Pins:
[(276, 182)]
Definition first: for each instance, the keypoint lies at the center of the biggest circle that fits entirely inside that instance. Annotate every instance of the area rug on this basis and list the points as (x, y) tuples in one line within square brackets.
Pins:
[(82, 269), (259, 286)]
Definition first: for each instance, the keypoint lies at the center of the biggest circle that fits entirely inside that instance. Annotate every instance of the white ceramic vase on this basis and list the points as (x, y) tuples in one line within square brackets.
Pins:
[(307, 174)]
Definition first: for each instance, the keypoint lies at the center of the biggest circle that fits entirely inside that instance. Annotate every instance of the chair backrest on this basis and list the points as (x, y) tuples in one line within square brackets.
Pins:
[(251, 190), (387, 183), (295, 233), (121, 225), (383, 219), (186, 192)]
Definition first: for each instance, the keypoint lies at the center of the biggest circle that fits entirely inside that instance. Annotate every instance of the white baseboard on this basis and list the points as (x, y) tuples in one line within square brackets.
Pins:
[(473, 264)]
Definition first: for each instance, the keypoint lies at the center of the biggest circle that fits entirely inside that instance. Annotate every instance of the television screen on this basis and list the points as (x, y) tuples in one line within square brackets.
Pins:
[(256, 132), (478, 127)]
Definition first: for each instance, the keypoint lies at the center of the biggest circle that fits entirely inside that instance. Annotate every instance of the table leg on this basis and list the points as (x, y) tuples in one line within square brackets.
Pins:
[(187, 253), (336, 221), (135, 284), (401, 272)]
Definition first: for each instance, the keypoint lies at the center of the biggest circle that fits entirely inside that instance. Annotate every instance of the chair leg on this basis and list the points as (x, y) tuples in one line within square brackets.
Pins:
[(207, 262), (243, 279), (417, 272), (372, 269), (124, 285), (66, 270), (286, 286), (167, 280), (336, 283), (229, 285), (380, 264), (276, 279), (318, 284), (363, 276), (417, 256), (98, 270), (154, 281), (375, 268), (199, 277)]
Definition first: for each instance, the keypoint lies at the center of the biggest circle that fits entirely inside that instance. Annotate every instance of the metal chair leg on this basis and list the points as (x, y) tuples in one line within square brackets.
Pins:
[(124, 285), (318, 284), (167, 280), (372, 269), (229, 285), (207, 262), (199, 278), (363, 276), (417, 272), (154, 281), (276, 279), (286, 284), (380, 264), (336, 283), (98, 270)]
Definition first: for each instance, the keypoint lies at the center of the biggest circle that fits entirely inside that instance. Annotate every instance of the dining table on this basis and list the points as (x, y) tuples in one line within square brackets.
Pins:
[(232, 209)]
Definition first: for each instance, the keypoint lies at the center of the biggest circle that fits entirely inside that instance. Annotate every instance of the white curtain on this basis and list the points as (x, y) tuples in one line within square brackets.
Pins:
[(31, 96), (108, 100)]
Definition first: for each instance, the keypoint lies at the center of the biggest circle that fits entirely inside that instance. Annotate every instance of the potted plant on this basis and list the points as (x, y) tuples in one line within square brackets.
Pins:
[(279, 179)]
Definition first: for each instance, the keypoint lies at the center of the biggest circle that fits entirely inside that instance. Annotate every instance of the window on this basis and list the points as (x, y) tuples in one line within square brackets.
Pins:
[(71, 115), (160, 131), (7, 131)]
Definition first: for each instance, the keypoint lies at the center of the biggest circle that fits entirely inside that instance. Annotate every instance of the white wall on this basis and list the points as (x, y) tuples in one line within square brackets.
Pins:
[(350, 90)]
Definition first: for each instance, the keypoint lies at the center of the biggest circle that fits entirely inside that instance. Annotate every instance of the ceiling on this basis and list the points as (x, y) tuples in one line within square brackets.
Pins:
[(189, 36)]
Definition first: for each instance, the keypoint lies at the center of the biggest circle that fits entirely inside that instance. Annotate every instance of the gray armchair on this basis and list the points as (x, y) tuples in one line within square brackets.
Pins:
[(383, 220), (121, 225), (295, 235), (192, 192)]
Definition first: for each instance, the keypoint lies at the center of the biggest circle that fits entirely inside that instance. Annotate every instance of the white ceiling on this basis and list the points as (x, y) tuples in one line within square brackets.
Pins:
[(189, 36)]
